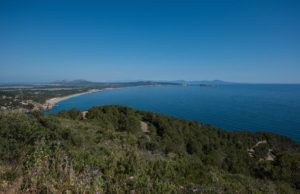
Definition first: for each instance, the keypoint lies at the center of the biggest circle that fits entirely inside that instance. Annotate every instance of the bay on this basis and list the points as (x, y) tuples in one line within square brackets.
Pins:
[(253, 107)]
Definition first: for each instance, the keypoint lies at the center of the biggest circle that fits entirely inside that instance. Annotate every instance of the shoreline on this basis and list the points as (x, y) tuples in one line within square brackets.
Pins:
[(51, 102)]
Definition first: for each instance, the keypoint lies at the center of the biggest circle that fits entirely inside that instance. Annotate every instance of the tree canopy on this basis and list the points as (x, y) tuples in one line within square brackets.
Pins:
[(106, 151)]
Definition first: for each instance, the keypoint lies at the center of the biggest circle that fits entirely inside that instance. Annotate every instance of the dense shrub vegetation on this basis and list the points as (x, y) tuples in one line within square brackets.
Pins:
[(108, 151)]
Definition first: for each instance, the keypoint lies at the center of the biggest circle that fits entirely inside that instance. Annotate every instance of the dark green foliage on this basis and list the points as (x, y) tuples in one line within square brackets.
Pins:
[(287, 168), (9, 175), (71, 114), (261, 151), (108, 152), (115, 118)]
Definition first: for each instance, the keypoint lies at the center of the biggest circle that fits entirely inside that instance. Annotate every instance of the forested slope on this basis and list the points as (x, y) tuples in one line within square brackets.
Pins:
[(116, 149)]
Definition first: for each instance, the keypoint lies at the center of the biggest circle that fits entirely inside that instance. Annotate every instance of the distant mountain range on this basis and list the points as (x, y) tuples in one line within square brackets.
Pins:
[(202, 82), (86, 83), (213, 82), (81, 82)]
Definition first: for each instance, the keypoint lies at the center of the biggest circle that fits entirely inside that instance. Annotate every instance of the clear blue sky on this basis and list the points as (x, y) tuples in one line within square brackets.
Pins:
[(232, 40)]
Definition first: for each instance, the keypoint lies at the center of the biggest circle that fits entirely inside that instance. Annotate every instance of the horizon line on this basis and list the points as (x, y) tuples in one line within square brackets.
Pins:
[(140, 80)]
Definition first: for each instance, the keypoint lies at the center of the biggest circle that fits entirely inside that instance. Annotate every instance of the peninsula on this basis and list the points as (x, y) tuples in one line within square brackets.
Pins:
[(28, 97)]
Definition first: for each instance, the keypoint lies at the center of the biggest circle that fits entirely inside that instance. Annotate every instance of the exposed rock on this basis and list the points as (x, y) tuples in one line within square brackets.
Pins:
[(144, 127), (83, 114), (269, 157)]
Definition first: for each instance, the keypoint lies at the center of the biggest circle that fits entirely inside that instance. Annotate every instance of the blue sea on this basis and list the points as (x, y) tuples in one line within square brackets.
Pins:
[(274, 108)]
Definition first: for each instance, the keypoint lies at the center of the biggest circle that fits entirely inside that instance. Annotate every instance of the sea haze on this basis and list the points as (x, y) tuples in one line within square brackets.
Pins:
[(253, 107)]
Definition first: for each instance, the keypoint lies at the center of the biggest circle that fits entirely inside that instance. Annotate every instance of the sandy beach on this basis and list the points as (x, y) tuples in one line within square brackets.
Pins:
[(52, 101)]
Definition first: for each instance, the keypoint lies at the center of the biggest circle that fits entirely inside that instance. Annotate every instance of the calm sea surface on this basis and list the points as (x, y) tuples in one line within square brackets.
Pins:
[(274, 108)]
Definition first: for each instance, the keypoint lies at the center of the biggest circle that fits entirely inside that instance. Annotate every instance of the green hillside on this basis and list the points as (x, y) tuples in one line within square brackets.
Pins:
[(116, 149)]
